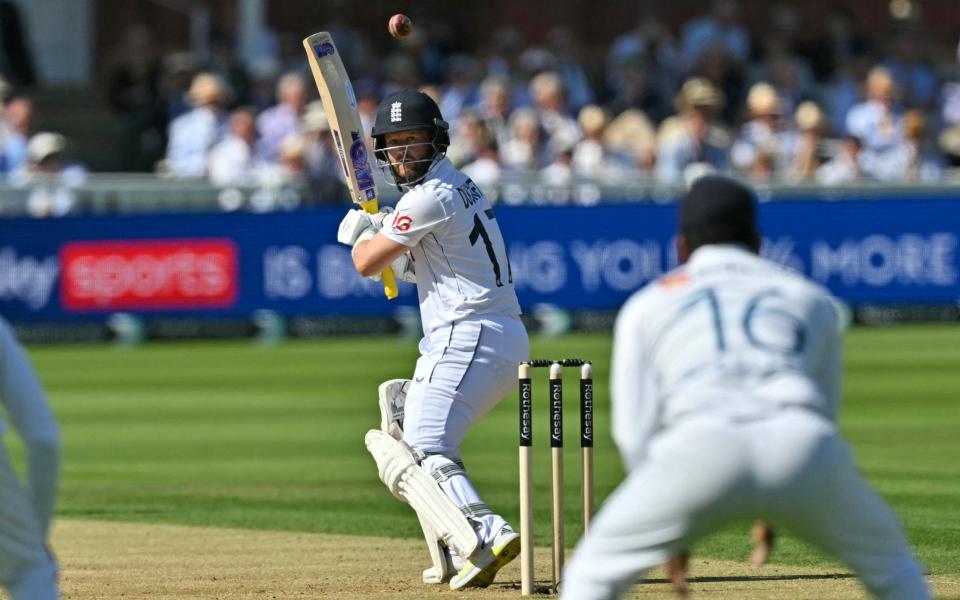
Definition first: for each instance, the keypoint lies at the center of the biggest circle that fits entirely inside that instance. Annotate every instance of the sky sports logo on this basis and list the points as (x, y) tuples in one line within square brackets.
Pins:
[(148, 274)]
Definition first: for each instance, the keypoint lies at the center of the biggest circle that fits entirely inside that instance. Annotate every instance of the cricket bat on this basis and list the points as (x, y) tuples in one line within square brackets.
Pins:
[(340, 104)]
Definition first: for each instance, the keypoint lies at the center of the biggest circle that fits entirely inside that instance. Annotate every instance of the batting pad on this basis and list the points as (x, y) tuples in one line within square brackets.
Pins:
[(405, 479)]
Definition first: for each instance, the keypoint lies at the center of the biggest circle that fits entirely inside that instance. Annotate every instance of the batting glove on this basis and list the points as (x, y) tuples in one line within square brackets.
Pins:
[(357, 223)]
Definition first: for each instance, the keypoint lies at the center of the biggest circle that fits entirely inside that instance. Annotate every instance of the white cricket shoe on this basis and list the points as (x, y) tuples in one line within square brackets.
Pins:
[(486, 560)]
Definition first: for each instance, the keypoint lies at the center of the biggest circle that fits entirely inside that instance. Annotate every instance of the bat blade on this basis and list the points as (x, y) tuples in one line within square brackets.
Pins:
[(340, 104)]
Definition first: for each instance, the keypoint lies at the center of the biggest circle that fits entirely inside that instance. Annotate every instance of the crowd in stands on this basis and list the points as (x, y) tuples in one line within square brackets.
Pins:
[(774, 105)]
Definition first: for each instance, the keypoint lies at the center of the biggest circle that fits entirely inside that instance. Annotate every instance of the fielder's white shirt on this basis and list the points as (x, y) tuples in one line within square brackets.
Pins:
[(459, 255), (727, 333)]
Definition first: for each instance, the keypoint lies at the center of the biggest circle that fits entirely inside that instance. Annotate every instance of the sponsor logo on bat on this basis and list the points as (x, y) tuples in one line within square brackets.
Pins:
[(324, 49), (351, 96), (361, 164)]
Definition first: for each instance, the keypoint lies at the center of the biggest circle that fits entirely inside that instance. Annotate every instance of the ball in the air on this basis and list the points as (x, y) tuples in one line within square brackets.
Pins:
[(400, 26)]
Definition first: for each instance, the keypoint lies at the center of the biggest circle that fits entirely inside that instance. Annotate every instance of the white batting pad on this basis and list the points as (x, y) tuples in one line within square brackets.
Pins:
[(393, 397), (405, 479)]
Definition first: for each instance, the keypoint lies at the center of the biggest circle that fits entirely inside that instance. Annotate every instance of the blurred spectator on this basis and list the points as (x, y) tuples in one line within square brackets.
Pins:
[(949, 140), (468, 132), (231, 160), (917, 159), (811, 125), (263, 83), (763, 142), (647, 48), (523, 151), (193, 134), (16, 64), (282, 120), (179, 69), (692, 136), (787, 72), (720, 31), (324, 172), (630, 142), (16, 126), (642, 86), (290, 167), (589, 156), (844, 91), (225, 62), (560, 170), (462, 90), (844, 167), (569, 64), (49, 178), (915, 81), (494, 107), (504, 63), (485, 169), (879, 126), (133, 91), (549, 100)]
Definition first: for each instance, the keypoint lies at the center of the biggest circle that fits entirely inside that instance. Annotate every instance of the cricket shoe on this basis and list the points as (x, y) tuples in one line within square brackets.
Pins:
[(486, 560)]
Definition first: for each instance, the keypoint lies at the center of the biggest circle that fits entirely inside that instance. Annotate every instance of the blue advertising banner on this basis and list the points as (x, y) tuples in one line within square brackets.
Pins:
[(880, 252)]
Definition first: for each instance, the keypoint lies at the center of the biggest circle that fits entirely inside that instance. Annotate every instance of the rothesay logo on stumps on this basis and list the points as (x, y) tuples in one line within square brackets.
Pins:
[(396, 112)]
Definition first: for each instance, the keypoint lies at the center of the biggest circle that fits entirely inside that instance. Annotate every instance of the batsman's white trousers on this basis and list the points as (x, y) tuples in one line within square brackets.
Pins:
[(792, 469), (463, 371), (27, 570)]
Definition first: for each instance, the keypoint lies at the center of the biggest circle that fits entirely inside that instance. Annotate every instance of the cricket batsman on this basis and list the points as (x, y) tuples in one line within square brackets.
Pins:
[(28, 570), (444, 237)]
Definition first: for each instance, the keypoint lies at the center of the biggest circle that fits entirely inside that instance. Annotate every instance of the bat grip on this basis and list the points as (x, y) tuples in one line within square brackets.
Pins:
[(389, 281)]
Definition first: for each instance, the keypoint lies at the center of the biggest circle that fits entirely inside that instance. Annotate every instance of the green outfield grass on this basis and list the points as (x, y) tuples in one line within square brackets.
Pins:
[(233, 434)]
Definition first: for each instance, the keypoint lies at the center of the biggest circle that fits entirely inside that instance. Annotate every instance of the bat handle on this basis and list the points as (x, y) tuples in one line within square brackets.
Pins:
[(389, 281)]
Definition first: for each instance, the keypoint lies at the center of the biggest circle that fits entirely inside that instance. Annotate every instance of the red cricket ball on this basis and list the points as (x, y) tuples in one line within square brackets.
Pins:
[(400, 25)]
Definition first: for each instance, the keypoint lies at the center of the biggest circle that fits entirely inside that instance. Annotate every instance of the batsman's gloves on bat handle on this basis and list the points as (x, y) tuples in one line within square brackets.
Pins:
[(356, 222)]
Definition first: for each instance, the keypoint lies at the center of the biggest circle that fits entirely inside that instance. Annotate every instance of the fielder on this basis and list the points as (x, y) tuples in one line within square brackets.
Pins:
[(28, 570), (725, 384), (443, 236)]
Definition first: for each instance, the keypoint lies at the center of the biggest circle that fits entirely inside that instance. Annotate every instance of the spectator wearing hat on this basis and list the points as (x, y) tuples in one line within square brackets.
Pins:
[(231, 160), (283, 119), (324, 173), (50, 179), (763, 142), (692, 136), (193, 134)]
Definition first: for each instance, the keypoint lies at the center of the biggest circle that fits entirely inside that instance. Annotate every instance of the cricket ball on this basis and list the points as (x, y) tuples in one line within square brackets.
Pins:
[(400, 26)]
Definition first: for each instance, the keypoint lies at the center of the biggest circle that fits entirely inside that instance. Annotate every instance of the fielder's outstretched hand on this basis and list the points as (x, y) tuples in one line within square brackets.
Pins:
[(677, 572), (763, 537)]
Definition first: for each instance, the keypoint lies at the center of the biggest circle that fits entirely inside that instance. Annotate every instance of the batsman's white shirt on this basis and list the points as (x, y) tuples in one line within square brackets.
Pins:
[(459, 256), (725, 385)]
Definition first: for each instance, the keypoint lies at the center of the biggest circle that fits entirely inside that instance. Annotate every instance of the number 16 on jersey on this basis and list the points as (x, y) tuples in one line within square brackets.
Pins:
[(340, 104)]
